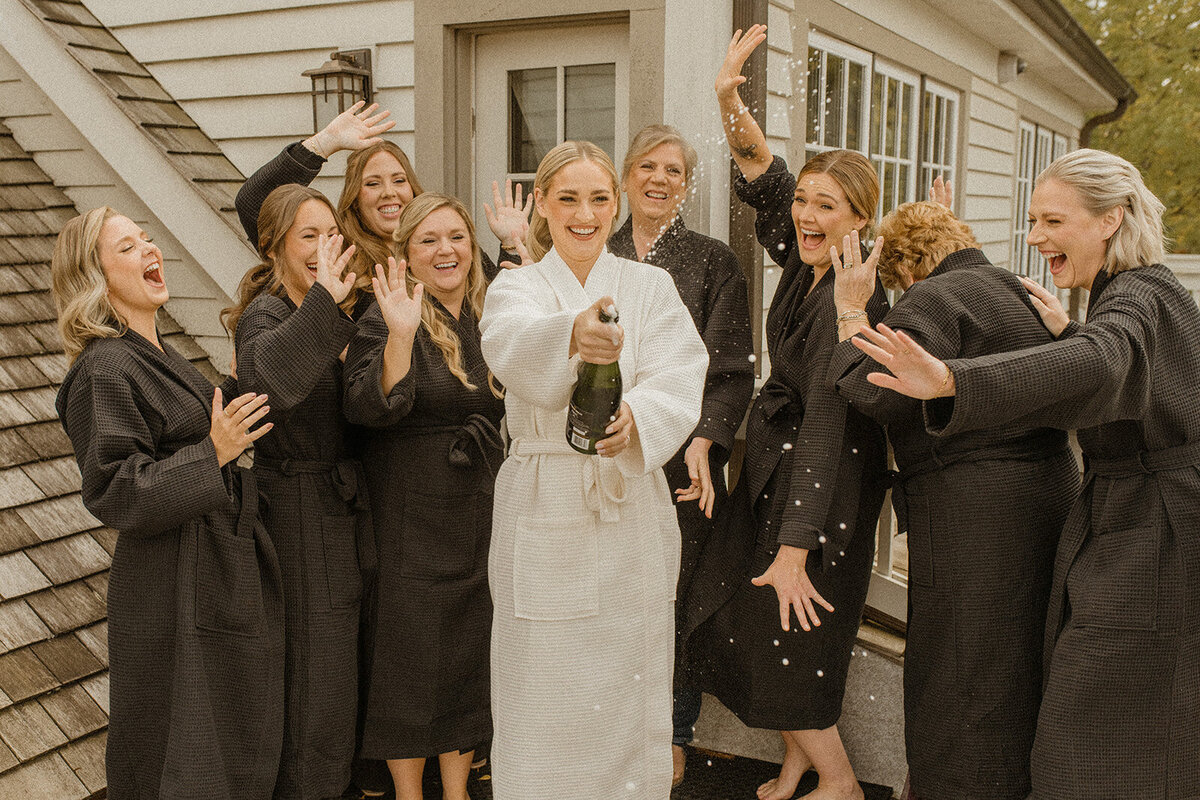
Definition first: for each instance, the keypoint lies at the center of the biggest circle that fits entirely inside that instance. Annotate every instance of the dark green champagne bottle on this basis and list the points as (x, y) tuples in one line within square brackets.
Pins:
[(596, 399)]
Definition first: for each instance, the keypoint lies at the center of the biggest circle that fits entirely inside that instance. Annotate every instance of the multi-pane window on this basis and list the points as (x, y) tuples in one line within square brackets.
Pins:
[(894, 135), (939, 133), (1036, 148), (907, 126), (837, 110)]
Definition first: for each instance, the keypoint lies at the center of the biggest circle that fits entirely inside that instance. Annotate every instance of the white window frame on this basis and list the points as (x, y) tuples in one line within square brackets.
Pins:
[(884, 160), (828, 46), (1037, 147), (932, 132)]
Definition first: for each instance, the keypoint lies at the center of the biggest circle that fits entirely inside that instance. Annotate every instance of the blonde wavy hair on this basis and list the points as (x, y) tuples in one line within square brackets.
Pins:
[(275, 219), (916, 238), (78, 284), (538, 241), (370, 247), (432, 320), (1105, 181)]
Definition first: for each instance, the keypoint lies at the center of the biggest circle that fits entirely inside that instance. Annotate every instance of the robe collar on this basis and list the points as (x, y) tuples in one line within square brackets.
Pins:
[(603, 279), (179, 368)]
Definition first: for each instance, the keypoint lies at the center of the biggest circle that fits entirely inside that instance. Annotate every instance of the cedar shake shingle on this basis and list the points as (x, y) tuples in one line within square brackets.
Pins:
[(95, 639), (46, 777), (65, 608), (19, 625), (97, 688), (66, 658), (28, 730), (58, 517), (16, 488), (57, 477), (69, 559), (14, 532), (23, 675), (86, 758), (19, 576), (75, 713)]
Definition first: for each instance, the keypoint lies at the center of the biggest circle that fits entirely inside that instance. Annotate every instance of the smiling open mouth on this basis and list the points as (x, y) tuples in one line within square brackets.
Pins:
[(449, 265), (811, 239), (153, 275), (583, 232)]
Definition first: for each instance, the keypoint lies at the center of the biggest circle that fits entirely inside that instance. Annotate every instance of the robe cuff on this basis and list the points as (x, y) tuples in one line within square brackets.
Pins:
[(765, 186)]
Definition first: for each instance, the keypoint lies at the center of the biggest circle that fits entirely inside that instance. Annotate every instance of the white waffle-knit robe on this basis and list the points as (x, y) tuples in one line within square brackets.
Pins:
[(585, 550)]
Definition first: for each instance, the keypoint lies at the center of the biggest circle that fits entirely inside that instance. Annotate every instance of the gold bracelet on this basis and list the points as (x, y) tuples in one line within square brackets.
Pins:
[(946, 379), (848, 316)]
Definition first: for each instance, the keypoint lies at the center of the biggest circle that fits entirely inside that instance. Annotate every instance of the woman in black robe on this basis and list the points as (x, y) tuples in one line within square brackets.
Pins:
[(657, 169), (805, 508), (380, 181), (1122, 647), (415, 374), (291, 325), (195, 617), (983, 511)]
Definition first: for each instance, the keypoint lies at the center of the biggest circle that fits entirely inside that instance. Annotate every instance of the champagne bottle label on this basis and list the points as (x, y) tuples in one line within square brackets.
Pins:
[(595, 401)]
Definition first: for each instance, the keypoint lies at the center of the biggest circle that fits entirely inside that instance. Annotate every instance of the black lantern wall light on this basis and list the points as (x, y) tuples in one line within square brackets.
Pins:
[(339, 83)]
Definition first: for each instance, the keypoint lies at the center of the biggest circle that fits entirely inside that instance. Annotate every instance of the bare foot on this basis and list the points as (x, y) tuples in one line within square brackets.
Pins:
[(795, 764), (828, 791), (678, 762)]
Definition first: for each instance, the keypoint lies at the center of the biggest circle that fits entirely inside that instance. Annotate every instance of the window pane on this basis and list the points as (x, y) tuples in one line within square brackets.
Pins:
[(877, 121), (834, 101), (532, 118), (854, 107), (927, 128), (892, 119), (889, 187), (815, 96), (906, 109), (903, 183), (590, 111)]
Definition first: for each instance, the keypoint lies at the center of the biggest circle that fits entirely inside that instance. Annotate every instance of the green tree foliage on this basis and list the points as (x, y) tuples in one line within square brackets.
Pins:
[(1156, 46)]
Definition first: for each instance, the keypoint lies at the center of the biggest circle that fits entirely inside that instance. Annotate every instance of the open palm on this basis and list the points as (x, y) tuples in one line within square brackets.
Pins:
[(401, 311)]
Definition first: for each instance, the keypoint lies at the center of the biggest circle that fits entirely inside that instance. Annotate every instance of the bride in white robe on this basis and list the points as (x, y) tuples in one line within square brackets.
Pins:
[(585, 549)]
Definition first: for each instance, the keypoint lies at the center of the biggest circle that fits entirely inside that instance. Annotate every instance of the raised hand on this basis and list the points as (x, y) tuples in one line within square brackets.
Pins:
[(915, 373), (354, 129), (526, 260), (596, 342), (793, 588), (700, 473), (730, 76), (331, 263), (942, 192), (854, 283), (1048, 306), (508, 218), (230, 429), (401, 311)]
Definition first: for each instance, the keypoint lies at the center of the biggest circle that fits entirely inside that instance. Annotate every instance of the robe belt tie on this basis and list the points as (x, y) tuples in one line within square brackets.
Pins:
[(476, 433), (345, 475), (775, 396), (1146, 462), (603, 484), (1035, 447)]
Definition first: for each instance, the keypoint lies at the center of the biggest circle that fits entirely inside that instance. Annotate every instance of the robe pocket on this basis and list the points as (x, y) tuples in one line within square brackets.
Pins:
[(556, 566), (920, 539), (342, 574), (439, 539), (1114, 581), (228, 583)]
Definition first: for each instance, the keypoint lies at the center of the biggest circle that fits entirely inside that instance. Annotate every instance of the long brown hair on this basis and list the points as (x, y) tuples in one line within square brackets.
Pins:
[(370, 247), (275, 219), (432, 320), (538, 241), (78, 285)]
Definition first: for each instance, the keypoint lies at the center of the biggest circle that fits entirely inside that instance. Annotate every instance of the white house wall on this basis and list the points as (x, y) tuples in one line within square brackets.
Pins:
[(235, 66)]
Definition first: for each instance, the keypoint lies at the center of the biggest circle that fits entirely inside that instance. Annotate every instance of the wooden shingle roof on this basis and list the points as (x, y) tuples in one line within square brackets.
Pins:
[(54, 555), (140, 96)]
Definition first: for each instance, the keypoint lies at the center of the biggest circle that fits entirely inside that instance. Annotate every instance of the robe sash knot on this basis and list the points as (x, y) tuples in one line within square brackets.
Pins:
[(1147, 461), (603, 483)]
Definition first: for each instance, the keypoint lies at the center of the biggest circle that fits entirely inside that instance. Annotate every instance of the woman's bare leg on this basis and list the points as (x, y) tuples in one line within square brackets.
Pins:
[(824, 748), (795, 764), (406, 775), (455, 766)]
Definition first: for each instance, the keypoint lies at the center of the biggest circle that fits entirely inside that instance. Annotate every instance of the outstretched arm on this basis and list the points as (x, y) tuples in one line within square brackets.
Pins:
[(746, 141)]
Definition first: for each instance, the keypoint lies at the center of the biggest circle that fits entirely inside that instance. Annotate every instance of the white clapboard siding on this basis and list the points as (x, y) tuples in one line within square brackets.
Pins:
[(989, 180), (236, 66)]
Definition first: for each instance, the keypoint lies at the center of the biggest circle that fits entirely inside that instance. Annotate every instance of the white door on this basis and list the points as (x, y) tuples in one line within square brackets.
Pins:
[(533, 90)]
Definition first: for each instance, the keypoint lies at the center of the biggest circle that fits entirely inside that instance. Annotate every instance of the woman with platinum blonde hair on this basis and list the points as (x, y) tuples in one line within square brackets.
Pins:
[(983, 510), (1122, 647), (195, 617), (585, 548)]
